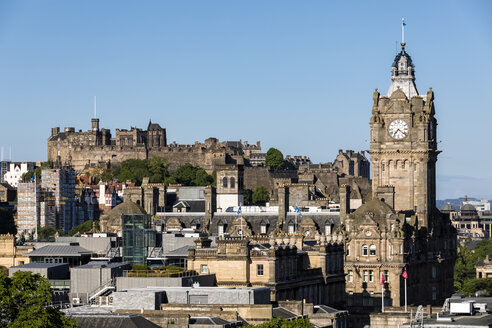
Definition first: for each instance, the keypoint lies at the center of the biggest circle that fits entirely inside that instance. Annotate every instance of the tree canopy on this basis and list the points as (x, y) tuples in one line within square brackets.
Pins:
[(465, 280), (24, 299), (189, 175), (157, 170), (260, 196), (47, 232), (274, 158), (84, 227), (26, 177)]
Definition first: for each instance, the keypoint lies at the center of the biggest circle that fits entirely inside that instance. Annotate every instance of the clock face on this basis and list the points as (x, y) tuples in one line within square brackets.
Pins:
[(398, 129)]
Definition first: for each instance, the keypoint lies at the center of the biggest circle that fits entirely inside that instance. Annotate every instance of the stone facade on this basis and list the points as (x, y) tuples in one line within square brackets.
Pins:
[(97, 147), (314, 274), (400, 228), (11, 255)]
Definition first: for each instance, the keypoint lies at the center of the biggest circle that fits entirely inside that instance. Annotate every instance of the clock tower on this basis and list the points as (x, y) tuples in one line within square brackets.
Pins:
[(403, 144)]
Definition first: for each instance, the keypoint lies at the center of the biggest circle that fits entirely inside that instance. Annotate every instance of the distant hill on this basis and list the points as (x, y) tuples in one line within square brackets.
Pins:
[(456, 202)]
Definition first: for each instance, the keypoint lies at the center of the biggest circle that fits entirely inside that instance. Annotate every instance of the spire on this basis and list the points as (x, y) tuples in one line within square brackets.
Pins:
[(403, 71)]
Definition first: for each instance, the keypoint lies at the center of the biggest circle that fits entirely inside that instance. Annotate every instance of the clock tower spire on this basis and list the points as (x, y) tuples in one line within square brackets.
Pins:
[(403, 143)]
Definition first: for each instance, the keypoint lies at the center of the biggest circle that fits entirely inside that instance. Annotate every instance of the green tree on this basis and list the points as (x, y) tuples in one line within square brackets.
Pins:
[(84, 227), (46, 232), (24, 299), (282, 323), (260, 196), (189, 175), (157, 167), (7, 224), (133, 170), (248, 196), (274, 158)]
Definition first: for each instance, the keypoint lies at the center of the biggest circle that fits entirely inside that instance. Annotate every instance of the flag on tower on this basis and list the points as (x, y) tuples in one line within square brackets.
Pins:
[(298, 211), (238, 211), (404, 274), (382, 279), (33, 178)]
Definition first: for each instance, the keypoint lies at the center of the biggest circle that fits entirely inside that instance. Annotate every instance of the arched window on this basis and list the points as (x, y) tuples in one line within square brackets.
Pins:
[(224, 182), (365, 250), (233, 183), (372, 250)]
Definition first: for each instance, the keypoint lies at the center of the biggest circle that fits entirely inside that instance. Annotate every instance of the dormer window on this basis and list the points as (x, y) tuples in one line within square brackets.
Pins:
[(264, 226)]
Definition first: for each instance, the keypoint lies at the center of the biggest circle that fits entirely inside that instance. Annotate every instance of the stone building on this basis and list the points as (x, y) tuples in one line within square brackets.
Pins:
[(291, 270), (229, 186), (7, 193), (10, 254), (483, 268), (400, 228), (97, 147), (352, 163)]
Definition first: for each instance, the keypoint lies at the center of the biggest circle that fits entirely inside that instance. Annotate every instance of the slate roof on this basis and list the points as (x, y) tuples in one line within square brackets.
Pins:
[(254, 220), (112, 320), (283, 313), (179, 252), (103, 264), (403, 53), (447, 208), (207, 321), (325, 309), (193, 205), (39, 265), (468, 207), (60, 250)]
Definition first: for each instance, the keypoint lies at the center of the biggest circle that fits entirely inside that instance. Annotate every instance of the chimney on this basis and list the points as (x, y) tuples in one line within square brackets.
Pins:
[(283, 204), (344, 201)]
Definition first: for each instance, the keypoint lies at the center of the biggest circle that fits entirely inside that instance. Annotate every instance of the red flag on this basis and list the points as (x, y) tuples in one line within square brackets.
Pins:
[(404, 274), (382, 278)]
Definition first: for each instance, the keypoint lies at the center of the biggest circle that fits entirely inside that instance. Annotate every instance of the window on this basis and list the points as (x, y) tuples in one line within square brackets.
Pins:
[(203, 268), (291, 228), (386, 276), (328, 229), (348, 250), (382, 167), (263, 228), (365, 276), (224, 182), (372, 250), (371, 275), (233, 183), (350, 276), (364, 250), (221, 229), (434, 272), (259, 269)]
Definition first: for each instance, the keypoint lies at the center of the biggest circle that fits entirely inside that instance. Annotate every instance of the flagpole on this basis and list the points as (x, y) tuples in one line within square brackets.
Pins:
[(382, 298), (382, 292), (402, 30), (405, 295)]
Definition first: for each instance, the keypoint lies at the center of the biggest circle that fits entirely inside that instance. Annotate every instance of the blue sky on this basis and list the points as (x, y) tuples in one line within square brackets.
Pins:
[(298, 76)]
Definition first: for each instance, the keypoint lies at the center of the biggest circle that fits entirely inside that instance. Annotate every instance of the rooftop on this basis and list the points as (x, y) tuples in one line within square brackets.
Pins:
[(60, 250)]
